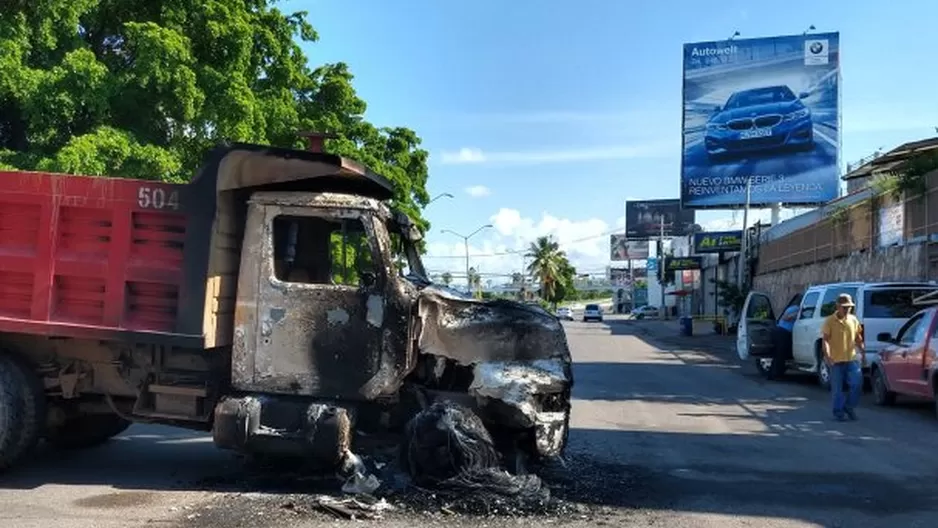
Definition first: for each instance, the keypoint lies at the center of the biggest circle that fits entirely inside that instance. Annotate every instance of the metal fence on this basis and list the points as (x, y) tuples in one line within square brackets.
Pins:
[(865, 226)]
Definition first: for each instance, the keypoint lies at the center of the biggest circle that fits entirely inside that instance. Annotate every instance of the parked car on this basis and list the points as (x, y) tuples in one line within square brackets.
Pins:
[(759, 119), (645, 311), (565, 314), (592, 312), (880, 307), (908, 362)]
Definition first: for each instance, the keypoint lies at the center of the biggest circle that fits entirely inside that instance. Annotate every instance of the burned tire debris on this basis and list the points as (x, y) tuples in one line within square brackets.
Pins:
[(447, 449)]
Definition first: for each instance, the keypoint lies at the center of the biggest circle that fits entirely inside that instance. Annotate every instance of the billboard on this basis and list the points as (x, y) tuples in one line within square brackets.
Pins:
[(683, 263), (718, 242), (619, 277), (643, 219), (621, 248), (764, 111)]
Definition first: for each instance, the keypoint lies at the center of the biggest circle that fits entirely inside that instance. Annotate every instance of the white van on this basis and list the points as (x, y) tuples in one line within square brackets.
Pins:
[(881, 307)]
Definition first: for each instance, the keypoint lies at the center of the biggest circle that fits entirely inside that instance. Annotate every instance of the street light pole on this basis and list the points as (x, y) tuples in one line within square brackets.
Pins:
[(465, 239), (437, 197)]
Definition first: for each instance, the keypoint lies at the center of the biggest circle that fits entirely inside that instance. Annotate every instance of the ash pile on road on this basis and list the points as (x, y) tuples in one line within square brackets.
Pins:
[(452, 461), (446, 464)]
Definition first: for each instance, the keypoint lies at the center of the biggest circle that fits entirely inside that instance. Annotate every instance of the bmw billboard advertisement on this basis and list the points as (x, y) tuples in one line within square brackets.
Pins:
[(762, 113)]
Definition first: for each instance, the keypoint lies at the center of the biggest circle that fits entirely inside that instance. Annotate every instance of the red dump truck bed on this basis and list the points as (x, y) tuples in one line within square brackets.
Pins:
[(79, 254), (144, 261)]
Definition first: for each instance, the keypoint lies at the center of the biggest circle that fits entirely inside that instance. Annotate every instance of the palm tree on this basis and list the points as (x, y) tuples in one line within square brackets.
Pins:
[(548, 265), (447, 278), (475, 281)]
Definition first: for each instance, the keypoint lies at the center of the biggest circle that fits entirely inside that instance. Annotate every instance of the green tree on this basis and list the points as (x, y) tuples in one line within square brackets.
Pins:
[(554, 273), (447, 278), (143, 88)]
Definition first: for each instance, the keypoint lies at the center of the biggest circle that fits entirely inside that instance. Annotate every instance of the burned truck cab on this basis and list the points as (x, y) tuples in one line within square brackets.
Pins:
[(312, 294), (322, 321), (338, 329)]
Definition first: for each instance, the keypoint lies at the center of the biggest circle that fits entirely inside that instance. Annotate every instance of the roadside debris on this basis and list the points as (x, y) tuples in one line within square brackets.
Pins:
[(355, 508)]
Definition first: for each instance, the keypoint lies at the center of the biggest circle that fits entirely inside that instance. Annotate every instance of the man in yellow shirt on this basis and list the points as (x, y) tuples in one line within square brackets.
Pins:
[(842, 335)]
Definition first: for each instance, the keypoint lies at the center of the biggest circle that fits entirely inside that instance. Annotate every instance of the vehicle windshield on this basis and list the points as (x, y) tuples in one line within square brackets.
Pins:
[(775, 94), (592, 307), (892, 304)]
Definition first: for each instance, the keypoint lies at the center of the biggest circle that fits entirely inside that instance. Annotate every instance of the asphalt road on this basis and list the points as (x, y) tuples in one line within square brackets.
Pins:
[(662, 435)]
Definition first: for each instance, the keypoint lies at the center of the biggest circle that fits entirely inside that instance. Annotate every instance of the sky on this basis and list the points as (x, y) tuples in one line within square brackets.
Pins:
[(543, 117)]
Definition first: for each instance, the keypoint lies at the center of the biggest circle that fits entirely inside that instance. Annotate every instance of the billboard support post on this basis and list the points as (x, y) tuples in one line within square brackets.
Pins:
[(776, 213)]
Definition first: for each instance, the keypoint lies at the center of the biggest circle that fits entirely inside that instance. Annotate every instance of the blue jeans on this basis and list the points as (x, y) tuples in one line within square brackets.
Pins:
[(851, 372)]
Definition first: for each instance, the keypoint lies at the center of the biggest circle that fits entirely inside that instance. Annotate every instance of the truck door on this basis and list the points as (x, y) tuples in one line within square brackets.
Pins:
[(320, 308), (754, 333), (802, 336)]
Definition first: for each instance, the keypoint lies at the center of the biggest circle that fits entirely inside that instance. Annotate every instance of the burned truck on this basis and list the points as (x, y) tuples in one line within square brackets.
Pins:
[(276, 301)]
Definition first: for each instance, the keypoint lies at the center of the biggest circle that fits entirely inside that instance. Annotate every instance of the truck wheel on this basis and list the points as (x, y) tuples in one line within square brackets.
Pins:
[(823, 373), (87, 430), (22, 411)]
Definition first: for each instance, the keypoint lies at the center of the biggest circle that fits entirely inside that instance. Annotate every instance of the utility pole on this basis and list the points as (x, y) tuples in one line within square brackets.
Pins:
[(631, 284), (661, 262), (465, 239), (743, 247)]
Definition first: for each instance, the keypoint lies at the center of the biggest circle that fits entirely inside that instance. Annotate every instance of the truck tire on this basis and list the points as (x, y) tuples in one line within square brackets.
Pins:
[(87, 430), (22, 410)]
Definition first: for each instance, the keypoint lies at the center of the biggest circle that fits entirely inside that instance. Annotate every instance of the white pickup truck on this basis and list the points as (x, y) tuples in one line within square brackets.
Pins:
[(880, 307)]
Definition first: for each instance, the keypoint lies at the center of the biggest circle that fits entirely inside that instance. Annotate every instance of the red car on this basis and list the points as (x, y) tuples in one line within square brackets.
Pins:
[(908, 364)]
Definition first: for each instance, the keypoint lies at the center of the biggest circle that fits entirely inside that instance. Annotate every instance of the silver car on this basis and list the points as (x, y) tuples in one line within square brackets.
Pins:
[(592, 312)]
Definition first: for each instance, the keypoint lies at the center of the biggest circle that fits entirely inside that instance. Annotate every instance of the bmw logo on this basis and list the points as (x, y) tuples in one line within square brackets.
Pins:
[(816, 47)]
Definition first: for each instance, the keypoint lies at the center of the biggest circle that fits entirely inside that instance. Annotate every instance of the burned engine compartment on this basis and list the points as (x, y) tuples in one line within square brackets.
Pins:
[(507, 361)]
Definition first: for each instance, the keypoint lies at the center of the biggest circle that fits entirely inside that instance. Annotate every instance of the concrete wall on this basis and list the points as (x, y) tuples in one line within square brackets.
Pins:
[(901, 263)]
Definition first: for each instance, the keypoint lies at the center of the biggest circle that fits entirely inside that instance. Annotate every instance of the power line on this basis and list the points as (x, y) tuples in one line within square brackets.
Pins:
[(519, 251)]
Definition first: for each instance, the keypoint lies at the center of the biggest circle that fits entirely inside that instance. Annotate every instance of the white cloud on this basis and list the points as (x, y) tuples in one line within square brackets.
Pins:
[(467, 155), (463, 155), (499, 252), (478, 191)]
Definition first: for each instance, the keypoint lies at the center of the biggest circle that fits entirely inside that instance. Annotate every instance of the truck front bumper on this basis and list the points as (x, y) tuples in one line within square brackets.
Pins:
[(319, 433)]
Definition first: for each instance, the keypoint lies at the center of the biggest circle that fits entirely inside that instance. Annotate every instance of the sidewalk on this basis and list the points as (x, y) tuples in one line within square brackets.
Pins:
[(668, 334)]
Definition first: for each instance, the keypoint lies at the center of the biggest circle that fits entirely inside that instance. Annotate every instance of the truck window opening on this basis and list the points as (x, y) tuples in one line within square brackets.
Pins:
[(317, 250)]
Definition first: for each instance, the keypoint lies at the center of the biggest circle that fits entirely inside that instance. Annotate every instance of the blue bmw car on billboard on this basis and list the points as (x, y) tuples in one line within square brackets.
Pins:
[(760, 119), (762, 113)]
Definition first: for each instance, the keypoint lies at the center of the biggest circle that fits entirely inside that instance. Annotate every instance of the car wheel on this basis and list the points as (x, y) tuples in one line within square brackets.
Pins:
[(936, 402), (881, 394), (823, 373), (764, 366)]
